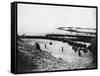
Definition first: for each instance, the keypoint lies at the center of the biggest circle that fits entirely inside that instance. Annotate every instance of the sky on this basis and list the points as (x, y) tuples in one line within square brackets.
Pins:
[(42, 19)]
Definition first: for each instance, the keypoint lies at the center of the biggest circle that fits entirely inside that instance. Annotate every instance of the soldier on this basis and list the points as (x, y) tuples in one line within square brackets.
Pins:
[(62, 49), (45, 46), (37, 46), (79, 53)]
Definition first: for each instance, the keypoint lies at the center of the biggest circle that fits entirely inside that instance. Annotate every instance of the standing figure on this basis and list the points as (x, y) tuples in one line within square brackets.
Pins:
[(75, 49), (37, 46), (62, 49), (79, 53), (45, 46)]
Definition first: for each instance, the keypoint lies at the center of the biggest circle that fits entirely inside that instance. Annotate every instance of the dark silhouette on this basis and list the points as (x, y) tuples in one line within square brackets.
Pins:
[(79, 53), (45, 46), (37, 46), (50, 43), (62, 49)]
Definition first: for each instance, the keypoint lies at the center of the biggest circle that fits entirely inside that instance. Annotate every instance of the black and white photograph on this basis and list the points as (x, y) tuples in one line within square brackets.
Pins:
[(53, 37)]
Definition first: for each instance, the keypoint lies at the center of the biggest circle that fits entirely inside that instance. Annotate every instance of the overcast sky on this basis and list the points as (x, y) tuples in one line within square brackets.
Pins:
[(40, 19)]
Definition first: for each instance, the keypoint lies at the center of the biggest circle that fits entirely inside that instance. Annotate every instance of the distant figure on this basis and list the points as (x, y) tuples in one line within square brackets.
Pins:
[(45, 46), (37, 46), (62, 49), (79, 53), (75, 49), (50, 43)]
